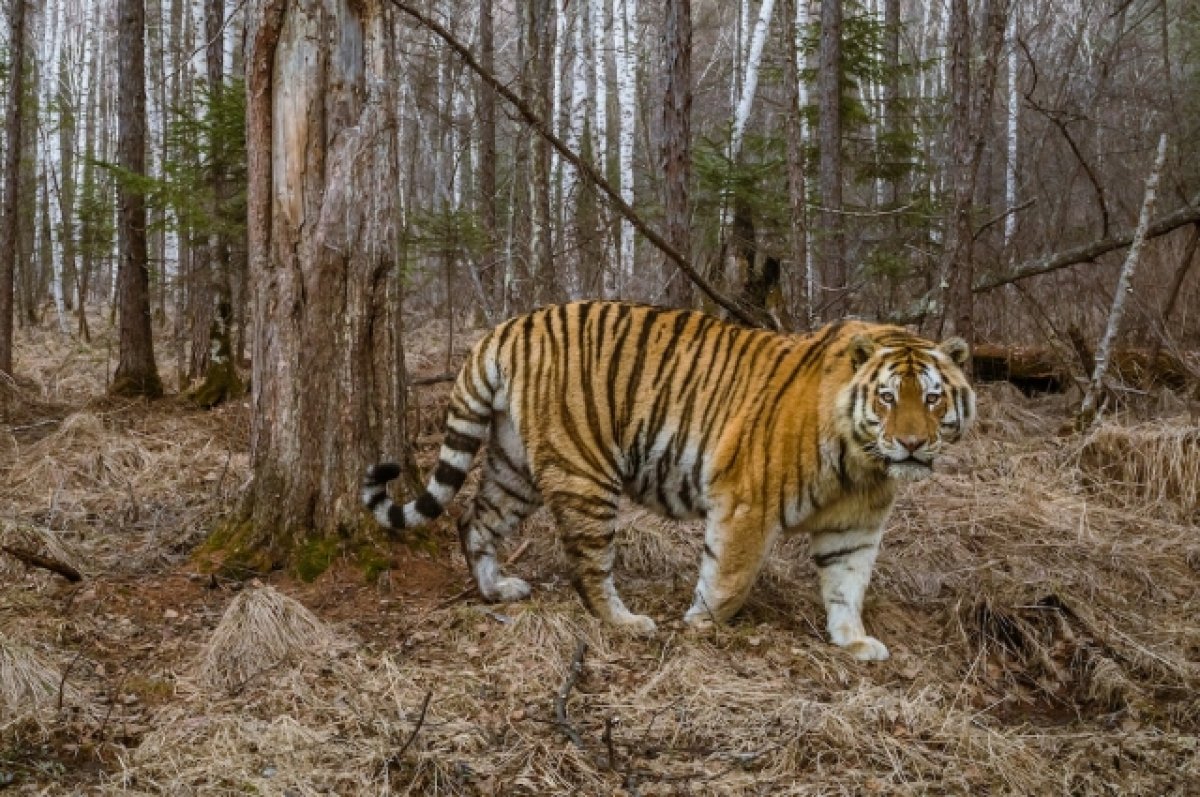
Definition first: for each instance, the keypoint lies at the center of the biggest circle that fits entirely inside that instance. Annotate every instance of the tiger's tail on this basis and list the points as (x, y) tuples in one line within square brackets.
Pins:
[(467, 420)]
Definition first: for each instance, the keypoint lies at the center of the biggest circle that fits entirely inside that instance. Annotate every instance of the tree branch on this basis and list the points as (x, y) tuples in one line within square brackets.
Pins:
[(564, 692), (1188, 214), (586, 169)]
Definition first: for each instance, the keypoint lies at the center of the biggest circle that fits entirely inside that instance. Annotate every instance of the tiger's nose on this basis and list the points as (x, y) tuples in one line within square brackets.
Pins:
[(911, 442)]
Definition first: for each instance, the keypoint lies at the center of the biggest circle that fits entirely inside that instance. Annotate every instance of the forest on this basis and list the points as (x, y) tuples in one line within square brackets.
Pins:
[(247, 245)]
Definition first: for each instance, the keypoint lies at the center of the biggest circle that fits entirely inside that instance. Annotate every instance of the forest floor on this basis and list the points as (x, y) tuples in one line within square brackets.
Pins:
[(1040, 596)]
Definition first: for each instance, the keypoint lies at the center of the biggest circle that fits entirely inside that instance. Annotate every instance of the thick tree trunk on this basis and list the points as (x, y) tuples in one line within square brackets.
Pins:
[(322, 167), (136, 373), (677, 141), (488, 215), (12, 181)]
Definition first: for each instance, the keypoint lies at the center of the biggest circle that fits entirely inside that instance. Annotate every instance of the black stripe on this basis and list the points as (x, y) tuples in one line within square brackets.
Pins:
[(376, 499), (428, 506), (461, 442), (826, 559), (395, 516), (449, 475)]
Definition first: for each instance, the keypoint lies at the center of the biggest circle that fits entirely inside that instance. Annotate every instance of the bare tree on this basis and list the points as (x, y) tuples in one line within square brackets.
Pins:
[(136, 372)]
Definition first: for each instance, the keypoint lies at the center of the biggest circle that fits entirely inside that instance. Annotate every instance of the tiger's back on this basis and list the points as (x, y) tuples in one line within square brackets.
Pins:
[(684, 413)]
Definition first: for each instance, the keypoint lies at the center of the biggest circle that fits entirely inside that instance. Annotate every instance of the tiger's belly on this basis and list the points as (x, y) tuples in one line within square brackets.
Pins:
[(672, 489)]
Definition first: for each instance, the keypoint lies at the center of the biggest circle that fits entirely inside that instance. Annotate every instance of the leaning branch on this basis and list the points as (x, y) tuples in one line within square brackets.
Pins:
[(586, 169), (1188, 214), (564, 692), (1087, 412)]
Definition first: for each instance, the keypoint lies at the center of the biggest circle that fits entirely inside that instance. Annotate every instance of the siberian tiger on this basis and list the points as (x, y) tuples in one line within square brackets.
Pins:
[(755, 431)]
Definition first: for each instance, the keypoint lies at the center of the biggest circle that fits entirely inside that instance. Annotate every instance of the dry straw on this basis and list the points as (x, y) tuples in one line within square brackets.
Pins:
[(262, 629)]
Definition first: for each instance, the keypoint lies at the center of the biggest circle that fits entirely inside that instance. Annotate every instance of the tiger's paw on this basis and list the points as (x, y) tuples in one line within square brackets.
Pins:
[(867, 648), (636, 624), (507, 590)]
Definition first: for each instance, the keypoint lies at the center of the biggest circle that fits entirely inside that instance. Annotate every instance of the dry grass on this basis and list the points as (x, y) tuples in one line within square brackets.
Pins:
[(30, 687), (1039, 596), (261, 629)]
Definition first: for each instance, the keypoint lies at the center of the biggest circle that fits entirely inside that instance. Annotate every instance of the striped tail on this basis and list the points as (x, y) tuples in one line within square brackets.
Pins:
[(467, 421)]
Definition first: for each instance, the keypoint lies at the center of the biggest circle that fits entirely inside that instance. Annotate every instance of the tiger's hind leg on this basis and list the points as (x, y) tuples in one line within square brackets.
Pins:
[(586, 516), (506, 496)]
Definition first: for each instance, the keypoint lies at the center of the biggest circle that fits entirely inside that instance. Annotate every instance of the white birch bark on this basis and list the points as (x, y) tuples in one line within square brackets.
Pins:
[(802, 20), (579, 102), (599, 31), (1012, 131), (1088, 410), (625, 24), (750, 84)]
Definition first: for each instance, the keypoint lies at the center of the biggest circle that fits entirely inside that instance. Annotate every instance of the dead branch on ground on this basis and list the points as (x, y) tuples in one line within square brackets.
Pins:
[(33, 559)]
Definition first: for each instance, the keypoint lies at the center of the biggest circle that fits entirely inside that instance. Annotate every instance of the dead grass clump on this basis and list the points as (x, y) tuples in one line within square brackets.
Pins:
[(29, 685), (262, 629), (1157, 464)]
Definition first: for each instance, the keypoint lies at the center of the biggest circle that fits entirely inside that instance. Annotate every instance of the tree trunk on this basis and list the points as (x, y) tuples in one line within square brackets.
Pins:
[(136, 374), (322, 217), (221, 380), (625, 23), (831, 240), (486, 99), (12, 181), (968, 130), (677, 142)]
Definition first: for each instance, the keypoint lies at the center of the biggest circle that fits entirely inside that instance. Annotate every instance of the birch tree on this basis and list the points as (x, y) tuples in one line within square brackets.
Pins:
[(1089, 407), (626, 54)]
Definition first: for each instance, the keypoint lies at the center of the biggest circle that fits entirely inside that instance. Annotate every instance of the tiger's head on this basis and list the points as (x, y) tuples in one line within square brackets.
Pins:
[(907, 398)]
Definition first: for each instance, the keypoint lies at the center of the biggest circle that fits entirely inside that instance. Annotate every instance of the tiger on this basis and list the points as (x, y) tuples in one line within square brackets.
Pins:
[(759, 433)]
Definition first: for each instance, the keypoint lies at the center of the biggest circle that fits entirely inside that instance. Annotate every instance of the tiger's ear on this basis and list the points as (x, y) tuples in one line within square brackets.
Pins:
[(956, 349), (860, 350)]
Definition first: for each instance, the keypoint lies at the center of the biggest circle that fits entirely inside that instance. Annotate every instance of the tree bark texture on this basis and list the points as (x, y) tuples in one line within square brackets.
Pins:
[(12, 179), (322, 218), (136, 372), (831, 240), (677, 140)]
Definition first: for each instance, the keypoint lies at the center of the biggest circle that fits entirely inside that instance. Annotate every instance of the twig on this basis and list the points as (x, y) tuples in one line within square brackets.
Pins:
[(564, 692), (607, 738), (46, 563), (416, 729), (62, 684)]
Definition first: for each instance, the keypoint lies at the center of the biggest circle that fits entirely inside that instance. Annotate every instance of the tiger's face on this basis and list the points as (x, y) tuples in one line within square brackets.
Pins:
[(906, 401)]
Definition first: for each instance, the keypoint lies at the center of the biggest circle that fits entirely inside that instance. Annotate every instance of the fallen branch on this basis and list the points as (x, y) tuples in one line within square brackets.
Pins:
[(564, 692), (45, 562), (590, 172)]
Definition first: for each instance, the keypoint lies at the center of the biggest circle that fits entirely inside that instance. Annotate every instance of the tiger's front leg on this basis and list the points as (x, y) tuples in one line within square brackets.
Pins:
[(844, 560)]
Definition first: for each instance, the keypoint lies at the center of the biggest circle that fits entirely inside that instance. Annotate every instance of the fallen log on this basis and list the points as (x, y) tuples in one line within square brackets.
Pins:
[(1037, 369)]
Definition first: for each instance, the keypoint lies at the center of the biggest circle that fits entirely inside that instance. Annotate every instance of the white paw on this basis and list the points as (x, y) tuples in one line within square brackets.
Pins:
[(700, 619), (867, 648), (638, 624), (506, 590)]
